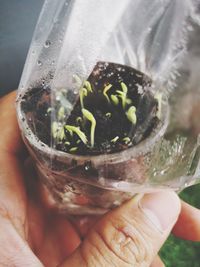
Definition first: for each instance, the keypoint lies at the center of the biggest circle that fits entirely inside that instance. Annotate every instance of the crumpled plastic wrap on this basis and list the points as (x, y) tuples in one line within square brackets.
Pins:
[(108, 103)]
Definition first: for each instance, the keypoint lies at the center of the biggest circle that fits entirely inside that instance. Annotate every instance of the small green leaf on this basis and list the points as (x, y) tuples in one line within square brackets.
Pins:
[(55, 129), (79, 120), (128, 101), (83, 92), (114, 99), (105, 90), (73, 149), (124, 87), (126, 140), (131, 115), (67, 143), (89, 116), (61, 134), (114, 140), (61, 113), (76, 130), (49, 110), (88, 86), (108, 115)]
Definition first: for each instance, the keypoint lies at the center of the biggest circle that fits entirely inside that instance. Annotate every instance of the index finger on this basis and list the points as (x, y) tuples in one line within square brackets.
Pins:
[(188, 224), (10, 138)]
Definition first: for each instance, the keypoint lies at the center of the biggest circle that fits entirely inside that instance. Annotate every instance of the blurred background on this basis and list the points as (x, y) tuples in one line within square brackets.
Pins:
[(17, 21)]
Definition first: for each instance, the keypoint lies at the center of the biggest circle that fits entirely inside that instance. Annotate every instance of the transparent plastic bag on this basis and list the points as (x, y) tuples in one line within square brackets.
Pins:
[(108, 102)]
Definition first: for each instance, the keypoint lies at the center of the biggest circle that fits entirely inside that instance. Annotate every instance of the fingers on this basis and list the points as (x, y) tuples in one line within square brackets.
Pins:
[(12, 194), (130, 235), (14, 251), (10, 139), (188, 224)]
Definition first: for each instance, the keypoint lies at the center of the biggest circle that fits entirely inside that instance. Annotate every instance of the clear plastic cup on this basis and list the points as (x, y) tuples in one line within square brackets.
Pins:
[(153, 45)]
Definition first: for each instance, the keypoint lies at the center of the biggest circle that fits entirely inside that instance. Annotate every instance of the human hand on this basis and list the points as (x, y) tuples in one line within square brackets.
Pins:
[(32, 234)]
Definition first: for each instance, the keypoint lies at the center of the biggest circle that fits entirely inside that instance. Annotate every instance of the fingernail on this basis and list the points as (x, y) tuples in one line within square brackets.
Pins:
[(161, 208)]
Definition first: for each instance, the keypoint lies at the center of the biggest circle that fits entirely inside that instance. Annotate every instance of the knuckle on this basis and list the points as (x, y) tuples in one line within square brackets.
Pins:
[(94, 252), (127, 242)]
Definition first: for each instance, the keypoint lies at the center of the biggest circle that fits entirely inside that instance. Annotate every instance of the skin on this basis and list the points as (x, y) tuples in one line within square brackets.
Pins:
[(30, 230)]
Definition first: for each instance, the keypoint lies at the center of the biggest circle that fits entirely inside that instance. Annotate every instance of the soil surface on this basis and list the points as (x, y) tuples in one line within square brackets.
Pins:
[(114, 131)]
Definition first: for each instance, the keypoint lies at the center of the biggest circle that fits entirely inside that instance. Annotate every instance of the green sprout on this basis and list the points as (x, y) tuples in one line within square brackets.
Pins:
[(114, 99), (128, 101), (83, 92), (77, 79), (126, 140), (61, 113), (77, 130), (88, 86), (67, 143), (105, 90), (158, 97), (73, 149), (114, 140), (131, 115), (55, 128), (79, 120), (123, 95), (58, 131), (49, 110), (89, 116), (108, 115), (62, 135), (124, 88)]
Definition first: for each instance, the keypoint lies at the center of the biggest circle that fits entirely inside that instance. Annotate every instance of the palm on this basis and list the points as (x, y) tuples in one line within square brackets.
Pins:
[(52, 237)]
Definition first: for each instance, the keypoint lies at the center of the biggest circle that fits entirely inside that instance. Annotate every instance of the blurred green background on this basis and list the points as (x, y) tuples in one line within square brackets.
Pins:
[(181, 253)]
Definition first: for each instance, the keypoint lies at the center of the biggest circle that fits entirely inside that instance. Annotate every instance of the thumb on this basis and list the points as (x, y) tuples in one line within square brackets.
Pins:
[(130, 235)]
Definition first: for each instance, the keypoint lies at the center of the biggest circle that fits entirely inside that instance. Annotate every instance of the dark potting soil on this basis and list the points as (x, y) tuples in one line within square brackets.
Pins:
[(114, 131)]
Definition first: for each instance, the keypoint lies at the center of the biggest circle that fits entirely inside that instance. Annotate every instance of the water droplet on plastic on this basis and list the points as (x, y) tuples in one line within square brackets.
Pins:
[(87, 167), (52, 62), (47, 44)]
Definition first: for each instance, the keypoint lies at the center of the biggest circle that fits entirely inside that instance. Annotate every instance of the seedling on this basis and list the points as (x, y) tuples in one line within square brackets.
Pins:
[(55, 129), (89, 116), (77, 130), (106, 89), (88, 86), (83, 93), (114, 99), (131, 115), (61, 113), (79, 120), (73, 149), (62, 135), (110, 103), (67, 143), (108, 115), (126, 140), (114, 140), (123, 94)]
